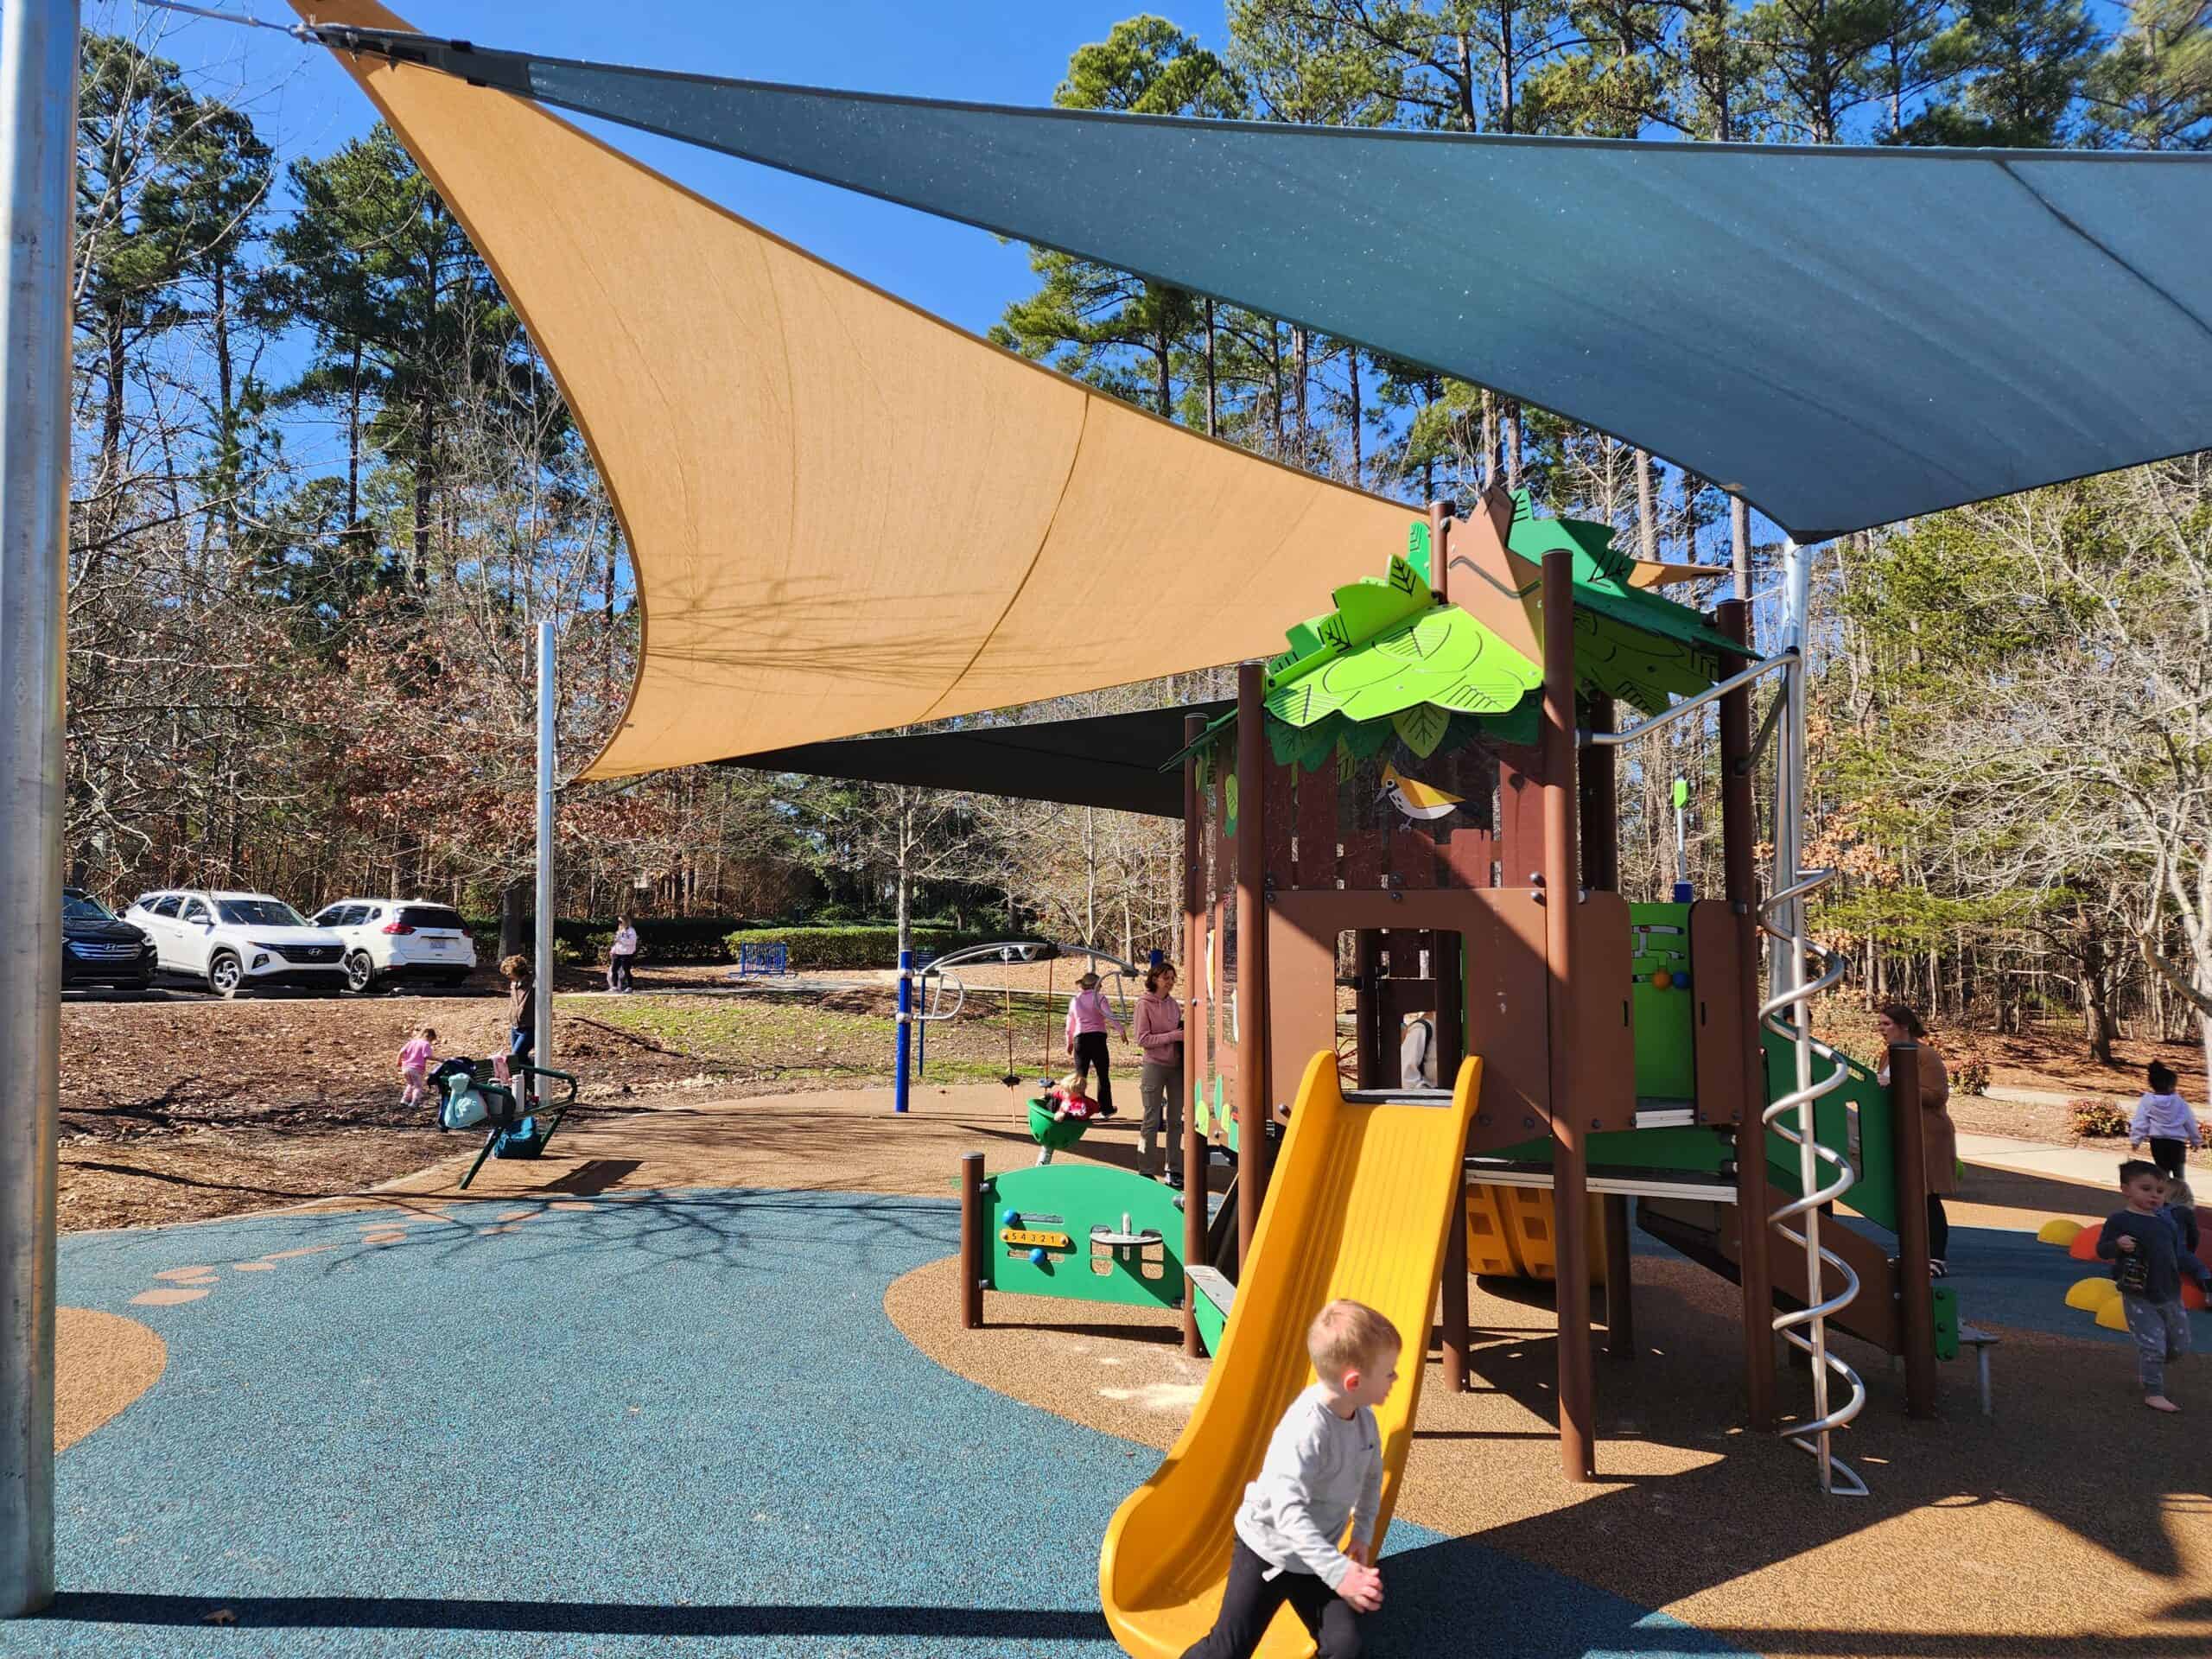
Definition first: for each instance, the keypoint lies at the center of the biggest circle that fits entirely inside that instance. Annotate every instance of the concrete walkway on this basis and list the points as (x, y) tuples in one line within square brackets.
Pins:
[(2091, 1166)]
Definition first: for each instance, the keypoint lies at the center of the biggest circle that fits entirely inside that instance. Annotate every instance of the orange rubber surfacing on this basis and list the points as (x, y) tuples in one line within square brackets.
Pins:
[(1357, 1207)]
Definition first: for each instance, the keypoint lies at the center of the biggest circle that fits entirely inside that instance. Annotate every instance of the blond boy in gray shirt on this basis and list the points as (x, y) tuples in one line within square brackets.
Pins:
[(1323, 1473)]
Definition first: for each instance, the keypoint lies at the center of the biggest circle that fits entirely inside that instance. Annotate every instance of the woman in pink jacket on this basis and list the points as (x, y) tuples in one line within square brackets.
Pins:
[(1160, 1080), (1088, 1014)]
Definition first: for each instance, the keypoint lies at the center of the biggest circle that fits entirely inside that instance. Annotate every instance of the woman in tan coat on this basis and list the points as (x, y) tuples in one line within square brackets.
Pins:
[(1939, 1137)]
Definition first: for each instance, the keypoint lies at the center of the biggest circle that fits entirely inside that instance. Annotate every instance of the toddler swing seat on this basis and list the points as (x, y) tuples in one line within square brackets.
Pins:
[(513, 1113), (1054, 1134)]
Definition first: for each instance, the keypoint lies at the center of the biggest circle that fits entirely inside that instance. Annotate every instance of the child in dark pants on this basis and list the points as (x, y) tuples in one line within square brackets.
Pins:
[(1323, 1472), (2164, 1122), (2144, 1249)]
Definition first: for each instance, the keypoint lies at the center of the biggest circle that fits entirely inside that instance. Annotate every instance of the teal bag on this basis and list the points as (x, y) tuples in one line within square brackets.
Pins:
[(521, 1141)]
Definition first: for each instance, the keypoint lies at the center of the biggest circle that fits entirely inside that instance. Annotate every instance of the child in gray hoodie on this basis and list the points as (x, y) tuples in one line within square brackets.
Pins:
[(1322, 1473)]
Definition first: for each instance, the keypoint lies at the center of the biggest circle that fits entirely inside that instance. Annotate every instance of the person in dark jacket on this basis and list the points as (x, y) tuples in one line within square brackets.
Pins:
[(2144, 1249)]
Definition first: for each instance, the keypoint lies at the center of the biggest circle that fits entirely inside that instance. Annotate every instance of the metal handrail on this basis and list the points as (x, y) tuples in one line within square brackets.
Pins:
[(1589, 739), (1806, 1328)]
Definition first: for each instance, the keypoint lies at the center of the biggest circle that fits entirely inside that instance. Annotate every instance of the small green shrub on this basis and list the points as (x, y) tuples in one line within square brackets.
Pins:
[(2100, 1118), (1970, 1073)]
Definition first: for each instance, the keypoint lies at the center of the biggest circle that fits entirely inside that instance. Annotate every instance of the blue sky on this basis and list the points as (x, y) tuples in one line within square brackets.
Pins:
[(995, 51)]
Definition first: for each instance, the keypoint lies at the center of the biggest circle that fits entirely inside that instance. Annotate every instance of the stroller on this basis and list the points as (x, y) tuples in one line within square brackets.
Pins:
[(470, 1093)]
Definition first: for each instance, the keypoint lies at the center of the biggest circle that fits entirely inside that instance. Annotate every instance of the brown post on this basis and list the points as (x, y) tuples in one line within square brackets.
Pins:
[(974, 1233), (1739, 839), (1454, 1322), (1620, 1284), (1562, 884), (1194, 1149), (1915, 1292), (1252, 1037)]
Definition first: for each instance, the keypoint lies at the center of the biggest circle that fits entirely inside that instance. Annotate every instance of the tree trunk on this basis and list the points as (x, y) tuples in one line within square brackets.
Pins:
[(1161, 346), (1739, 545), (1213, 388), (1646, 523), (226, 405), (513, 917), (354, 457), (905, 809), (1358, 468)]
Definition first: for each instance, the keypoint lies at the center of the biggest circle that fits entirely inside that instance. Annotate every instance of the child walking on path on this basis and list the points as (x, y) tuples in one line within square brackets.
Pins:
[(1088, 1014), (415, 1065), (1324, 1470), (2144, 1249), (2163, 1118)]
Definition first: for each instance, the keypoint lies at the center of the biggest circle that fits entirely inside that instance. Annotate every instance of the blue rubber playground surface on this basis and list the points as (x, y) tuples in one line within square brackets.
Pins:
[(680, 1424)]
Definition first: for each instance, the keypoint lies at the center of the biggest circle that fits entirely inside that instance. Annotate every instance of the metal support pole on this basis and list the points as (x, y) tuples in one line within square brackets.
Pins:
[(974, 1239), (1562, 884), (1252, 1031), (1795, 995), (1193, 1074), (899, 1088), (1740, 875), (542, 1036), (1789, 762), (38, 123), (1916, 1291)]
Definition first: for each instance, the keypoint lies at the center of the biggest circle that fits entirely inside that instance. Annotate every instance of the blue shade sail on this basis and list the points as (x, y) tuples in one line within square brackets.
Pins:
[(1846, 337)]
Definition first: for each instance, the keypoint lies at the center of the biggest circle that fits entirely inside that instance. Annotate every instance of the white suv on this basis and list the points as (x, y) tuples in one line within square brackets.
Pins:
[(237, 940), (400, 939)]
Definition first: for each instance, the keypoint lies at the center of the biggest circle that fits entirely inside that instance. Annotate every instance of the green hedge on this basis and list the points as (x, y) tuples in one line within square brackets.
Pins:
[(856, 945), (662, 939)]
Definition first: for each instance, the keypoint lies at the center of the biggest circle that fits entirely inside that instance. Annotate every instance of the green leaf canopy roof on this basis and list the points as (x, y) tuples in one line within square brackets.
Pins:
[(1395, 659)]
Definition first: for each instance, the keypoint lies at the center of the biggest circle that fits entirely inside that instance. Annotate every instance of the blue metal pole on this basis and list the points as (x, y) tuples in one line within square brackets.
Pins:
[(906, 1029)]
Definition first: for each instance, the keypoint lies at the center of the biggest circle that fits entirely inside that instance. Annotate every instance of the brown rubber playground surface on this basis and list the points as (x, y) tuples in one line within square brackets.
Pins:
[(2072, 1525)]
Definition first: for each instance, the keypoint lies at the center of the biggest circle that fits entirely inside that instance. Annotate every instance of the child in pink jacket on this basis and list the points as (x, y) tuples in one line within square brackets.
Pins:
[(1088, 1014)]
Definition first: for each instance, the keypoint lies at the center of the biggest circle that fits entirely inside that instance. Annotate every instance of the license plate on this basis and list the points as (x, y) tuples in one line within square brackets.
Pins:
[(437, 944)]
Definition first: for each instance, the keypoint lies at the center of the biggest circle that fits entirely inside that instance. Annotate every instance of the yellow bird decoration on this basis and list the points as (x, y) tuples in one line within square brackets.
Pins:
[(1422, 802)]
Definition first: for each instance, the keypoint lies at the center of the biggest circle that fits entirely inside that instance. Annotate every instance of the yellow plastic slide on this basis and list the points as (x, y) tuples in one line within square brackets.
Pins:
[(1357, 1207)]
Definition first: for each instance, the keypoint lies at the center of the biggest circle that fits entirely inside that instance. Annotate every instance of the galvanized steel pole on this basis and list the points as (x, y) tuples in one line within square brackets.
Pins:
[(38, 121), (542, 1034), (1562, 891)]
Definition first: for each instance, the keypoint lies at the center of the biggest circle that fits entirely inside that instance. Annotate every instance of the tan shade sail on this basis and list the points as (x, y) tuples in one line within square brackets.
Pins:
[(845, 515)]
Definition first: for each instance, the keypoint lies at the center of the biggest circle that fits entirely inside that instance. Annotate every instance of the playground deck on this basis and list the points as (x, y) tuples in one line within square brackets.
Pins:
[(626, 1399)]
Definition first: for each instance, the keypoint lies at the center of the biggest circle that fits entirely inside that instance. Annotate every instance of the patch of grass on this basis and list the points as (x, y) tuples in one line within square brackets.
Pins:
[(781, 1036)]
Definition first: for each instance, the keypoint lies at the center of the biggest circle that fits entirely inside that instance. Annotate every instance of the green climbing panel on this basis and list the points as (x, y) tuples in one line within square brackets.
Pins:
[(1076, 1214), (1854, 1120), (1665, 1017)]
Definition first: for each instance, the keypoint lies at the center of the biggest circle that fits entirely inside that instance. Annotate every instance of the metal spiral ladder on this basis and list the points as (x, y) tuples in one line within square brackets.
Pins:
[(1788, 1013)]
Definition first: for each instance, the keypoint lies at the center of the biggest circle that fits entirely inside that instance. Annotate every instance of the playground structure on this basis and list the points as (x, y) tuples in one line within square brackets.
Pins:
[(1320, 911), (1311, 883)]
